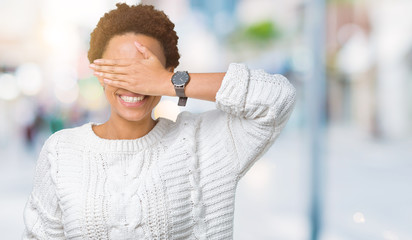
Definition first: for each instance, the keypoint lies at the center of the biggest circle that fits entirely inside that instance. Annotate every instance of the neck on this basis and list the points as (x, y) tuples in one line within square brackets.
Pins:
[(118, 128)]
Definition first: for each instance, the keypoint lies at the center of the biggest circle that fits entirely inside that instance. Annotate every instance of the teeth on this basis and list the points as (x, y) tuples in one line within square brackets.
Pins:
[(131, 99)]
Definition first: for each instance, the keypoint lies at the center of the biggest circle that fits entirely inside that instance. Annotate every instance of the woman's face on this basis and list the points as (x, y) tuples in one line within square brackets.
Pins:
[(125, 104)]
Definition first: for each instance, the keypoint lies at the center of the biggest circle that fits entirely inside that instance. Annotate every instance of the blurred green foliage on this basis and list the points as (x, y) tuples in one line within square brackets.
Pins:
[(259, 34), (262, 31)]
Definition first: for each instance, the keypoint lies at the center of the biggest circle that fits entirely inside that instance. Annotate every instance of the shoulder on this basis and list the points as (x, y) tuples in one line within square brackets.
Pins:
[(191, 124), (185, 118), (68, 135), (49, 153), (78, 131)]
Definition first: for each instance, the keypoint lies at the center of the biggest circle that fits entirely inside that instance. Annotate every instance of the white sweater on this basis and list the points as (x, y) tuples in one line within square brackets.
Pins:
[(176, 182)]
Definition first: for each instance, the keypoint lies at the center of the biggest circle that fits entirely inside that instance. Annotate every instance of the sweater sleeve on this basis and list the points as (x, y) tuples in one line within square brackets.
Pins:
[(42, 214), (258, 106)]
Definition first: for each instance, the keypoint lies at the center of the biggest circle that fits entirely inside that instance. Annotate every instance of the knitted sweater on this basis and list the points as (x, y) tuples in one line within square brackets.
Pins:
[(176, 182)]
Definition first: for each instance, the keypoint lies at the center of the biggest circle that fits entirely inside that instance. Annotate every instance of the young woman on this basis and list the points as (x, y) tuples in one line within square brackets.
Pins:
[(134, 177)]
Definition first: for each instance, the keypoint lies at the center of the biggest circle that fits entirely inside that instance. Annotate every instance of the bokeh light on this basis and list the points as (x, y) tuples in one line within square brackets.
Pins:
[(29, 78), (92, 94), (167, 109), (358, 217), (67, 96), (8, 87), (389, 235), (262, 177)]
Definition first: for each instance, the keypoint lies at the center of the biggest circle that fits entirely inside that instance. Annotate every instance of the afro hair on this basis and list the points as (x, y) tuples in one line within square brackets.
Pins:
[(138, 19)]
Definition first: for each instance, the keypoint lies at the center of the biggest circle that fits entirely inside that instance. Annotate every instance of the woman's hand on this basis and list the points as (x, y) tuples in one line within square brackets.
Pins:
[(145, 76)]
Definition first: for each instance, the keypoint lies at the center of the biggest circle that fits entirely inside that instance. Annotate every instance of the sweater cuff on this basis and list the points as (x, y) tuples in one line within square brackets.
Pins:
[(231, 96)]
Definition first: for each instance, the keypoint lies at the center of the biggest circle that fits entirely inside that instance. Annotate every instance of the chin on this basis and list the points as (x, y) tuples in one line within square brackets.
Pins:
[(135, 117), (129, 112)]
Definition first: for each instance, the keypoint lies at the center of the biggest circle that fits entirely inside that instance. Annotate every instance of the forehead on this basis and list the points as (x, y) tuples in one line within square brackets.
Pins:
[(122, 46)]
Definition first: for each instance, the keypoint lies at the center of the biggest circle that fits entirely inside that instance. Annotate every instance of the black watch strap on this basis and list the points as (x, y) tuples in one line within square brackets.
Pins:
[(180, 92), (182, 101)]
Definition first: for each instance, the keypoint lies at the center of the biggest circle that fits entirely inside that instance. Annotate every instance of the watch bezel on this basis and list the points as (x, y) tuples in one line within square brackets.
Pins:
[(187, 77)]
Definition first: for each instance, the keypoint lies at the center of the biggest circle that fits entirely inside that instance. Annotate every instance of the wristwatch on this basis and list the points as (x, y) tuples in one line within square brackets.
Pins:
[(180, 80)]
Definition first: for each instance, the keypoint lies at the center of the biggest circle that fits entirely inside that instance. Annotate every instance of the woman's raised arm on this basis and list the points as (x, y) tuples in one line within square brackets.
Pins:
[(149, 77)]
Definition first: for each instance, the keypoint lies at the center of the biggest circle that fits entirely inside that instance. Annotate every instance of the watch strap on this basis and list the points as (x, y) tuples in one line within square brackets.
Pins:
[(180, 92), (182, 101)]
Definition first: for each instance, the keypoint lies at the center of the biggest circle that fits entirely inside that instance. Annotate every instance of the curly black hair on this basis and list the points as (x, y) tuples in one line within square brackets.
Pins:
[(139, 19)]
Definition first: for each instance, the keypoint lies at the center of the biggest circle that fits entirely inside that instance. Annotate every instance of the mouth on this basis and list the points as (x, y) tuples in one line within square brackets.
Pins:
[(131, 99)]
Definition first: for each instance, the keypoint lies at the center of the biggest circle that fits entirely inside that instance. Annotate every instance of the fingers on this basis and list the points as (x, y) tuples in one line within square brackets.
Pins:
[(111, 62), (111, 76), (109, 68), (143, 50), (113, 83)]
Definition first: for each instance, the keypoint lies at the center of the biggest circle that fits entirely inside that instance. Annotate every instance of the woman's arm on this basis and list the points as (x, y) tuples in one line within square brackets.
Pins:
[(149, 77), (202, 86), (258, 106)]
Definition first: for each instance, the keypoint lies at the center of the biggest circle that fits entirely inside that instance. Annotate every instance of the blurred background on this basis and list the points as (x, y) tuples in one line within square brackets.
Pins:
[(341, 169)]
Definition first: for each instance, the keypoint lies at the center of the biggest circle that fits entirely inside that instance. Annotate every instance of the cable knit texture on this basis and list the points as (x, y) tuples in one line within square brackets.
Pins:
[(176, 182)]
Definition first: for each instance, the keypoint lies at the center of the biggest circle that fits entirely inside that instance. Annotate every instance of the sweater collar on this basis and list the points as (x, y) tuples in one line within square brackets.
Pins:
[(126, 145)]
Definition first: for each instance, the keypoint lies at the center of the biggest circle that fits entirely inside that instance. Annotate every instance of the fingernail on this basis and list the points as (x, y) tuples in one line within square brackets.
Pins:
[(106, 80), (92, 65), (98, 74), (97, 61), (138, 44)]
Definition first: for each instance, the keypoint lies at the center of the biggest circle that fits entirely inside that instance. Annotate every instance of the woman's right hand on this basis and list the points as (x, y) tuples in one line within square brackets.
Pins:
[(146, 76)]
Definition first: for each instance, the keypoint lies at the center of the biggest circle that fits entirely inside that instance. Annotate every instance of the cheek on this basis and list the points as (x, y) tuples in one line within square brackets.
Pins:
[(111, 97), (110, 92)]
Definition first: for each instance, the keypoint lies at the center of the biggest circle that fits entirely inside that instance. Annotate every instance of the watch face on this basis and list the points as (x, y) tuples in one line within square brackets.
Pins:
[(180, 78)]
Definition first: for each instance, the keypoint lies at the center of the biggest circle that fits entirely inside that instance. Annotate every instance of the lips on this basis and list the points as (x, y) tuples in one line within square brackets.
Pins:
[(129, 99)]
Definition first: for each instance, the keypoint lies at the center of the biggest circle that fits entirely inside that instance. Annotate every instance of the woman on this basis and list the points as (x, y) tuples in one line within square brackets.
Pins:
[(133, 177)]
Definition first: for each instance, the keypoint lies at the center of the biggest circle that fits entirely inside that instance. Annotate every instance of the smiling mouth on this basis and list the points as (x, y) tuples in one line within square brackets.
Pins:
[(130, 99)]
